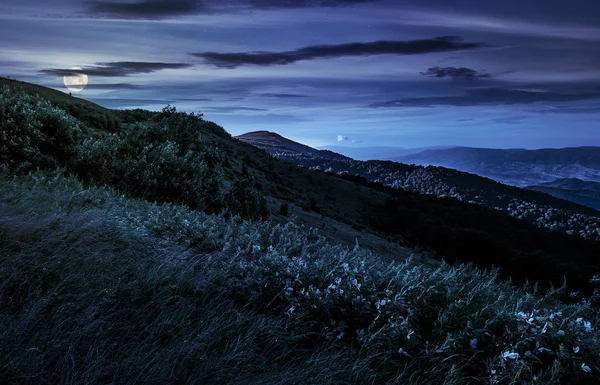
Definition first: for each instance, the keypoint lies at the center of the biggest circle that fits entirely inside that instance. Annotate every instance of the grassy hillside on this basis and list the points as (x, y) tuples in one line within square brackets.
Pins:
[(99, 288), (164, 253), (181, 158), (97, 118)]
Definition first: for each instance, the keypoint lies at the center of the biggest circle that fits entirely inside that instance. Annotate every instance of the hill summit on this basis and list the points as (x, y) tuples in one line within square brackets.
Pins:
[(277, 145)]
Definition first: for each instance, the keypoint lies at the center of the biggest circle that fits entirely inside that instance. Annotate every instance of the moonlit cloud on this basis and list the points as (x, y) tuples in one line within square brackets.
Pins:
[(341, 138), (113, 69)]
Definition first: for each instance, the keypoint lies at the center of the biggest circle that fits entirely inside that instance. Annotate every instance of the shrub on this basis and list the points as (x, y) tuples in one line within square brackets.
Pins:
[(166, 161), (246, 200), (34, 134)]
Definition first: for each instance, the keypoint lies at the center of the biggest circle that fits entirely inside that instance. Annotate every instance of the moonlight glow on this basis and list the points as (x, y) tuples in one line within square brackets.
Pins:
[(77, 82)]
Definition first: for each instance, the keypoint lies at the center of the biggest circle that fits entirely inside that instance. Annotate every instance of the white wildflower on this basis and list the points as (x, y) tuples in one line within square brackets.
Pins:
[(576, 349), (512, 356), (586, 368)]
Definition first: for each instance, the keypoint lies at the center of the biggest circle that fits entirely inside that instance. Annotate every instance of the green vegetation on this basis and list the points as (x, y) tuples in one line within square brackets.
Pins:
[(143, 256), (34, 134), (92, 115), (167, 162), (98, 288)]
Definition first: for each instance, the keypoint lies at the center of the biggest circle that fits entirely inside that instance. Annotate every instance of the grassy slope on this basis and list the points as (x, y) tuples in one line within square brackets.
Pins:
[(455, 230), (97, 118), (97, 288), (273, 174), (52, 94)]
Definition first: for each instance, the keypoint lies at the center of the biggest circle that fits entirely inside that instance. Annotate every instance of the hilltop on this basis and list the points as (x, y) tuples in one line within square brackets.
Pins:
[(277, 145)]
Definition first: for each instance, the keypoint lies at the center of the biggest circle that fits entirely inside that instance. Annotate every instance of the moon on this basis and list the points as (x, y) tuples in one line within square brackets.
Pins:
[(76, 82)]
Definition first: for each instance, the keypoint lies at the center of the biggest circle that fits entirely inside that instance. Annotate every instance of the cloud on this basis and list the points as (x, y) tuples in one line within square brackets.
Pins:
[(269, 4), (357, 141), (282, 96), (158, 9), (455, 73), (510, 119), (112, 69), (568, 110), (121, 103), (342, 138), (489, 96), (263, 58), (148, 9), (232, 109), (113, 86)]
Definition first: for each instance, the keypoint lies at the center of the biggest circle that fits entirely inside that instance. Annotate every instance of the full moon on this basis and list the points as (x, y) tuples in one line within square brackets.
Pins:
[(76, 82)]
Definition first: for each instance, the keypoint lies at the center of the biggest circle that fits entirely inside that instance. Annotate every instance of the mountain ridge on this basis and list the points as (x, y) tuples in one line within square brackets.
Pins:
[(519, 167), (538, 207)]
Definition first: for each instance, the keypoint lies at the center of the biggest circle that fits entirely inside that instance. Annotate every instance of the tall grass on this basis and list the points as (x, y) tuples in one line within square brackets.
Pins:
[(98, 288)]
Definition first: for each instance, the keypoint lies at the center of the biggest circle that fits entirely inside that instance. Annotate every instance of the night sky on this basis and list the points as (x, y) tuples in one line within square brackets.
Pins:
[(489, 73)]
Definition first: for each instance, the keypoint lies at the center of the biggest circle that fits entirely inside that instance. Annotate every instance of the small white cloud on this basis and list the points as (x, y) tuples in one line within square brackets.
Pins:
[(342, 138)]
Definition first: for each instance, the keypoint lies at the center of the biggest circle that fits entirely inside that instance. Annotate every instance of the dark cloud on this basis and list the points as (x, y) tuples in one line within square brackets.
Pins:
[(489, 96), (111, 69), (569, 110), (146, 9), (283, 96), (232, 109), (113, 86), (262, 58), (239, 119), (156, 9), (510, 119), (269, 4), (461, 73), (194, 99), (120, 103)]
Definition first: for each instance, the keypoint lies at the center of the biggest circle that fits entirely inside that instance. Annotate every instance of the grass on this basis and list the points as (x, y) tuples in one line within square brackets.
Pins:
[(99, 288)]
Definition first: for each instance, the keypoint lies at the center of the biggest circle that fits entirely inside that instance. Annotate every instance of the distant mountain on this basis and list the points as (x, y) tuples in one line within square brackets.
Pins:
[(377, 152), (536, 207), (518, 167), (277, 145), (573, 184), (572, 189)]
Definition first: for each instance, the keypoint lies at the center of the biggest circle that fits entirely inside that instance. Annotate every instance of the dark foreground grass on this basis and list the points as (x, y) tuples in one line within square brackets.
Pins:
[(97, 288)]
